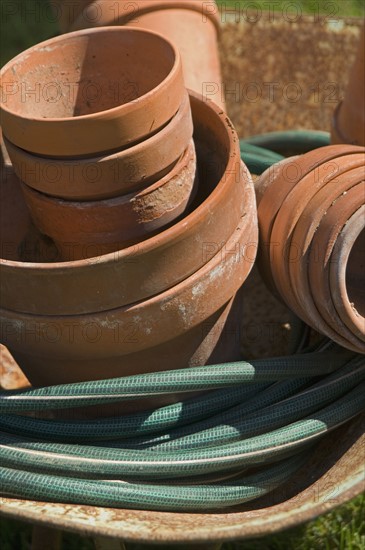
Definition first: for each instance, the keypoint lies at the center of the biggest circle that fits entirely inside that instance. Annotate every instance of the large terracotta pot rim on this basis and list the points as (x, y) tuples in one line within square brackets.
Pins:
[(171, 87), (72, 187), (173, 232), (272, 196), (270, 202), (183, 306)]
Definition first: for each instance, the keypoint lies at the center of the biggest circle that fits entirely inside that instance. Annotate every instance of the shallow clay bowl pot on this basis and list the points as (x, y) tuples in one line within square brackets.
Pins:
[(160, 262), (86, 229), (130, 84), (192, 25), (109, 175)]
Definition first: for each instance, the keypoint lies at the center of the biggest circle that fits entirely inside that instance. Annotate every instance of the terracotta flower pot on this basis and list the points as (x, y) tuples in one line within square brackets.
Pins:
[(157, 332), (119, 278), (300, 219), (348, 123), (87, 229), (192, 25), (111, 175), (117, 102)]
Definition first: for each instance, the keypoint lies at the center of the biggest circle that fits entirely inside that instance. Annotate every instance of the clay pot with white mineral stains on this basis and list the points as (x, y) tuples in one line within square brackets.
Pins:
[(192, 25), (88, 229), (348, 123), (189, 316), (307, 239), (132, 339), (116, 101), (110, 175), (156, 264)]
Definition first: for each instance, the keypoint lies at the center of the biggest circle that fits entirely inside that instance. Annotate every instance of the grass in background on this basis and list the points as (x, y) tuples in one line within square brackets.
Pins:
[(26, 22), (339, 8)]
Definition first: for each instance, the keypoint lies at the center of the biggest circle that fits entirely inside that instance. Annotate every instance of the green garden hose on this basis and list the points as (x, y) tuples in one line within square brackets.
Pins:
[(245, 437), (290, 142)]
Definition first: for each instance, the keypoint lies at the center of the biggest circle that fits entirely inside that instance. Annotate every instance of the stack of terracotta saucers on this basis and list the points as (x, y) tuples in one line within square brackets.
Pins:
[(98, 127), (139, 187), (312, 227)]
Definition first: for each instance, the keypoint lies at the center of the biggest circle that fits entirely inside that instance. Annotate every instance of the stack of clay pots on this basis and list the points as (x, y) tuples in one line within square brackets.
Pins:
[(348, 123), (171, 299), (104, 147), (192, 25), (312, 228)]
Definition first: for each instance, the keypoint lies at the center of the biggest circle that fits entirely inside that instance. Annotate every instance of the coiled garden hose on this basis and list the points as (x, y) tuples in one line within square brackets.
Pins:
[(248, 435), (261, 152)]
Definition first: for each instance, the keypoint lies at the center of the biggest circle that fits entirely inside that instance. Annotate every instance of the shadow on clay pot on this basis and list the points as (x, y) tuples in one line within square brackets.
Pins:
[(192, 25), (115, 103), (80, 228), (111, 175), (144, 335), (117, 279)]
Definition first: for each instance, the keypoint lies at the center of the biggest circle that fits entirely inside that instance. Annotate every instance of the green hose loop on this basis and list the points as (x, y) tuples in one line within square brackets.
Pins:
[(142, 496), (103, 463), (292, 142), (161, 383)]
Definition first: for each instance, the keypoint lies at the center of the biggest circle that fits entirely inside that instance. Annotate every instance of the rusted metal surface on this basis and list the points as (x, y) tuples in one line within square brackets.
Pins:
[(308, 54), (334, 475), (282, 75)]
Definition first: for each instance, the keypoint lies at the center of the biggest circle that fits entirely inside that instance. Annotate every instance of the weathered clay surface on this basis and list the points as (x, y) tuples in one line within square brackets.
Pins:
[(190, 24), (302, 254), (115, 101), (347, 273), (110, 225), (111, 175), (119, 278), (100, 340)]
